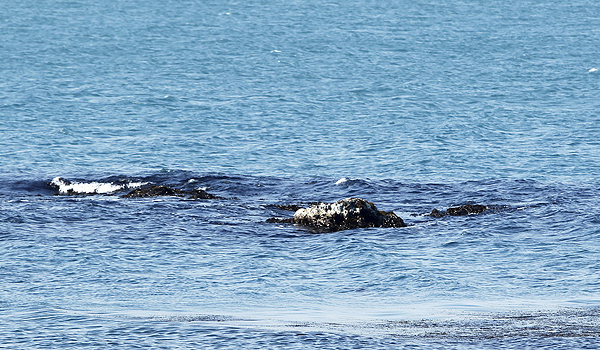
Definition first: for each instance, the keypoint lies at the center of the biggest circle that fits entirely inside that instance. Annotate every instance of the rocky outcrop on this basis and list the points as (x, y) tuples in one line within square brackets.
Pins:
[(153, 191), (64, 187), (345, 214), (200, 194), (463, 210), (159, 190)]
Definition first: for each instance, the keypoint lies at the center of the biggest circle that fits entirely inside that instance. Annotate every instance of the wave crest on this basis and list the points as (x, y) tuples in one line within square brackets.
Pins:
[(65, 186)]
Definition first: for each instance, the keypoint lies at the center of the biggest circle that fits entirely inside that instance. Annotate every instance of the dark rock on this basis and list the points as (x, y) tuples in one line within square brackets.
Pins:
[(467, 209), (160, 190), (200, 194), (153, 191), (437, 214), (345, 214), (71, 192)]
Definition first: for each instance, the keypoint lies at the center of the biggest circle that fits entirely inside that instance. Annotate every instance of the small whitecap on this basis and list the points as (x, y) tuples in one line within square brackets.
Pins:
[(57, 181), (84, 187), (203, 188), (66, 186), (593, 70), (136, 184), (341, 181), (275, 51)]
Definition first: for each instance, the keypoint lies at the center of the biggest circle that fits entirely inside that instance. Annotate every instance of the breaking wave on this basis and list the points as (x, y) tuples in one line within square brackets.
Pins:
[(65, 186)]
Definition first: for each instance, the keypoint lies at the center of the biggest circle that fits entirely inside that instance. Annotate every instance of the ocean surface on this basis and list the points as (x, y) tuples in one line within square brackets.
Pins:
[(413, 105)]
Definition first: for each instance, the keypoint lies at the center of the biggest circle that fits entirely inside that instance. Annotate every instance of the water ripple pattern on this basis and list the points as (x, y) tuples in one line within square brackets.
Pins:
[(412, 105)]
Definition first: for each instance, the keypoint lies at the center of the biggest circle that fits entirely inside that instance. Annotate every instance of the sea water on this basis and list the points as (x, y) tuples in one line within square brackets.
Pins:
[(412, 105)]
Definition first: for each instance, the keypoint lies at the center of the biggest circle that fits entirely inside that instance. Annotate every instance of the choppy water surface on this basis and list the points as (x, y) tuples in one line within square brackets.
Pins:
[(103, 269), (410, 105)]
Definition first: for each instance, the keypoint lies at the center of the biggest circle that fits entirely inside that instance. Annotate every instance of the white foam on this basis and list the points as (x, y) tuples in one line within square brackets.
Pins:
[(341, 181), (65, 186), (593, 70), (136, 184)]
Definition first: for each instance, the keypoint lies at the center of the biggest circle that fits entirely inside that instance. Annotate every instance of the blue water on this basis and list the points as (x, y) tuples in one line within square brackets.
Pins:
[(409, 104)]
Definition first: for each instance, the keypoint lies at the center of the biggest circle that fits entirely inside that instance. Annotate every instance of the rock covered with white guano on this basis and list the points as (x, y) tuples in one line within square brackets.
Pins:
[(345, 214)]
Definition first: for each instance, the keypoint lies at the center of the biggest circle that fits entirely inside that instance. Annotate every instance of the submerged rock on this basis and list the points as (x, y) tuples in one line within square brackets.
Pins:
[(137, 189), (345, 214), (200, 194), (159, 190), (280, 221), (153, 191), (290, 207), (463, 210)]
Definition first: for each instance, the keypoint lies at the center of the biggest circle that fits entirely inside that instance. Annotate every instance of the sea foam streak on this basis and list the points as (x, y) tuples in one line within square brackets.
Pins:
[(65, 186)]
